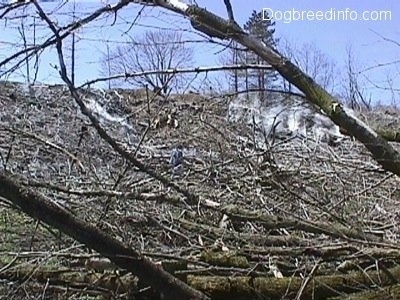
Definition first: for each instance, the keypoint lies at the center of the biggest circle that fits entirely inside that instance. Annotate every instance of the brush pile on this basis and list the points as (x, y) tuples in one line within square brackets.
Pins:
[(230, 216)]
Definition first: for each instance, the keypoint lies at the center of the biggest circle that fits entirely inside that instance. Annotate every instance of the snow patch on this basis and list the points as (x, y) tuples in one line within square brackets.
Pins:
[(107, 119), (281, 116), (178, 4)]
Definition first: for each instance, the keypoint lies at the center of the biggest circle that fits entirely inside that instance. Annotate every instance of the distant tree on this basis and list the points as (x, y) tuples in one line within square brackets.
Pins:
[(263, 29), (155, 50), (353, 93), (314, 62)]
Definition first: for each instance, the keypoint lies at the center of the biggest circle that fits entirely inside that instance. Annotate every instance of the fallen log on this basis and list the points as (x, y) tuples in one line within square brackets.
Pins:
[(108, 282), (384, 153), (51, 213), (390, 292), (319, 287)]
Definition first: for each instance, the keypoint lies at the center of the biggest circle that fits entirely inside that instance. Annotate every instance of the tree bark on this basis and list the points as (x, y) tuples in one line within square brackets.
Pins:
[(224, 287), (316, 227), (390, 135), (74, 279), (380, 149), (54, 215), (319, 287), (390, 292)]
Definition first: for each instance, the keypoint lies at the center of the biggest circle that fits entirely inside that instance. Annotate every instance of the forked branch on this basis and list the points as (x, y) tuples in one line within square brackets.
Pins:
[(381, 150)]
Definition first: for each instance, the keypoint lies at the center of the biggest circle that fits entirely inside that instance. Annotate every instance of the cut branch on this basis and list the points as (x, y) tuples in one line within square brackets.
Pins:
[(74, 279), (275, 222), (320, 287), (52, 214), (381, 150)]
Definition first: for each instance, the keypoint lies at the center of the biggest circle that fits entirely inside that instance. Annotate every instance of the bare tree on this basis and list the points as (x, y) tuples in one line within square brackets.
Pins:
[(125, 192), (155, 50), (353, 93), (313, 62)]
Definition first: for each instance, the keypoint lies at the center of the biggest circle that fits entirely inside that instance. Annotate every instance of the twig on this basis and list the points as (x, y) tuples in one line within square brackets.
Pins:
[(179, 71), (307, 280)]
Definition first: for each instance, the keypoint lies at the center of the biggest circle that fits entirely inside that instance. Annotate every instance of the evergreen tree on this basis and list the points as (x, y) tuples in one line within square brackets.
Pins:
[(263, 29)]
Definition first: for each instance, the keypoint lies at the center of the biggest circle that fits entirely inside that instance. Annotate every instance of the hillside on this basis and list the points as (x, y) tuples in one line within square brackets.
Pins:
[(232, 208)]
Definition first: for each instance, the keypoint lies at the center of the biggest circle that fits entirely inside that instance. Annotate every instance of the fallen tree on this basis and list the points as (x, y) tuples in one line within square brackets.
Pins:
[(52, 214), (106, 284), (110, 283), (318, 287), (215, 26), (38, 207)]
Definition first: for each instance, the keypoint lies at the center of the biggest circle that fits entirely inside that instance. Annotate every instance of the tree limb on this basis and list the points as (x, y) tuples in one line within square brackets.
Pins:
[(320, 287), (229, 10), (380, 149), (54, 215), (179, 71), (316, 227)]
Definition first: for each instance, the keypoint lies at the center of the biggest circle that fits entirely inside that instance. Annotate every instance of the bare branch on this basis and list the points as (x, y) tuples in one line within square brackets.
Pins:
[(155, 51), (74, 92), (381, 150), (178, 70), (67, 31), (229, 10), (39, 208)]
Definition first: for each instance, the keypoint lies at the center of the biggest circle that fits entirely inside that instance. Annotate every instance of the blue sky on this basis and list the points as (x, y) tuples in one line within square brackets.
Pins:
[(378, 58)]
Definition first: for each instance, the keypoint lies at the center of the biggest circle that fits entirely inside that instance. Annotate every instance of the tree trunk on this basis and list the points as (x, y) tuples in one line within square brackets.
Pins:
[(319, 287), (54, 215), (381, 150)]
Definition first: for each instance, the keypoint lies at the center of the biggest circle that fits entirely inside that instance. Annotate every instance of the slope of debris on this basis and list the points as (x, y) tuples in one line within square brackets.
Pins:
[(283, 115), (47, 139)]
